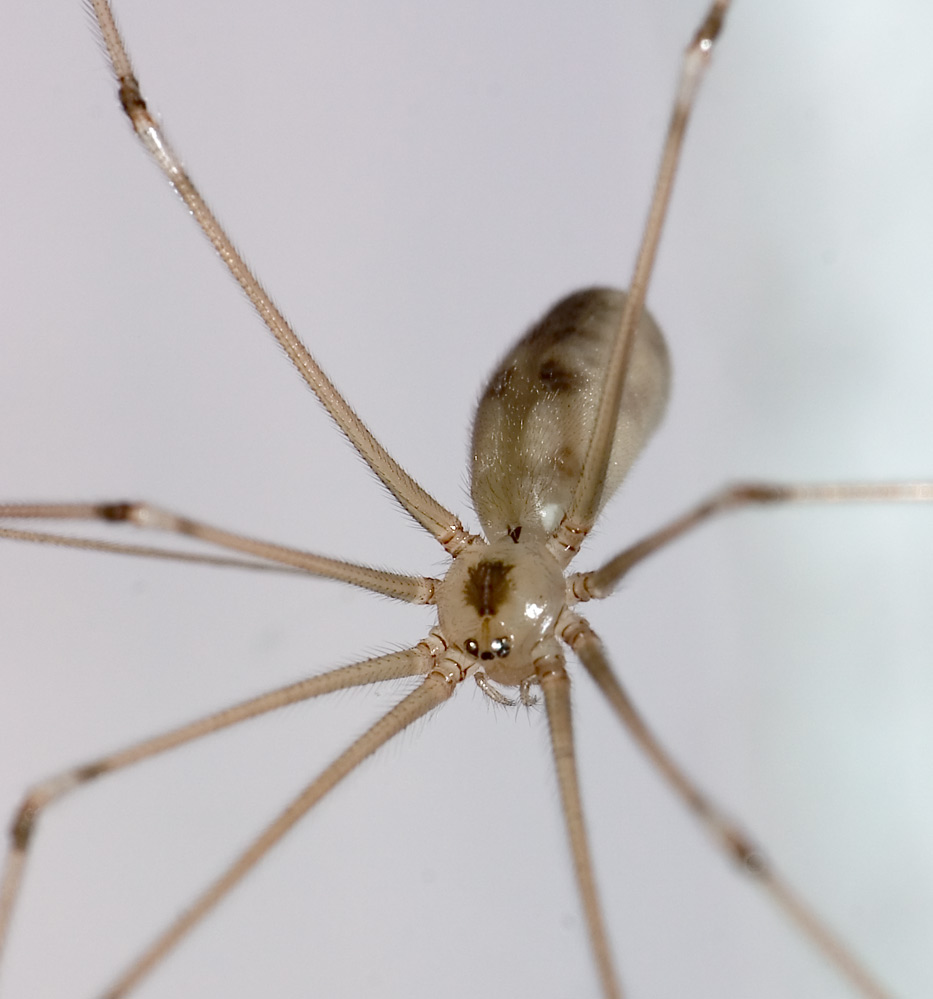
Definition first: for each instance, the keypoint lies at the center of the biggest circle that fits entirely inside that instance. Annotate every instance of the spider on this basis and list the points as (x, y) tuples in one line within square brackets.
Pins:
[(285, 643)]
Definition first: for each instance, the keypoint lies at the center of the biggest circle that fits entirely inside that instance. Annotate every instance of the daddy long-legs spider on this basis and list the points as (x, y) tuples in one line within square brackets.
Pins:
[(456, 174)]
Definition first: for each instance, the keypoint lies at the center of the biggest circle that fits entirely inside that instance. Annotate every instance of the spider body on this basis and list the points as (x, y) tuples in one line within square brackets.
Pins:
[(766, 417), (535, 419)]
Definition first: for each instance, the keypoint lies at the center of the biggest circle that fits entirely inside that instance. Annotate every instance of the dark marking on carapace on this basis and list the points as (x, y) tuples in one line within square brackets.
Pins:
[(487, 587)]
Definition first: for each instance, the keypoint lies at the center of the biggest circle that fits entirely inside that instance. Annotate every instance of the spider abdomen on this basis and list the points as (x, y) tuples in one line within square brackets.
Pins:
[(536, 415)]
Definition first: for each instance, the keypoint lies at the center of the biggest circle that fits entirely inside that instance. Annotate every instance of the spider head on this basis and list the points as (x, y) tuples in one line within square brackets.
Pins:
[(498, 602)]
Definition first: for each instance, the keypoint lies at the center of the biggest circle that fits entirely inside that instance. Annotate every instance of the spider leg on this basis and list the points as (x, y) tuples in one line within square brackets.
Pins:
[(436, 688), (410, 662), (730, 838), (600, 582), (410, 589)]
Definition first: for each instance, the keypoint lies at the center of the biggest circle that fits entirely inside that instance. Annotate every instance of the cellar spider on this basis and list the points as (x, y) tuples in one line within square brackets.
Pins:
[(434, 864)]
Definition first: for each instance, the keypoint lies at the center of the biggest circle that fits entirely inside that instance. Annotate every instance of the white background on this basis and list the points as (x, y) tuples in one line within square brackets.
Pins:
[(416, 182)]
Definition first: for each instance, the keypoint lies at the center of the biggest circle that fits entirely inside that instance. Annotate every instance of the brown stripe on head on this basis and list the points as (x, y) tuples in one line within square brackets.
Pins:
[(487, 586)]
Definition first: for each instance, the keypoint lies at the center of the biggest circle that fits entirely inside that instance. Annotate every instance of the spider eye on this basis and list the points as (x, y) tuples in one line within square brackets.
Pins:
[(471, 646), (501, 647)]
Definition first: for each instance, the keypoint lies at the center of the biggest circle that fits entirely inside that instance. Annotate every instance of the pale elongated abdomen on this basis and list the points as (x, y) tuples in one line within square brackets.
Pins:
[(535, 418)]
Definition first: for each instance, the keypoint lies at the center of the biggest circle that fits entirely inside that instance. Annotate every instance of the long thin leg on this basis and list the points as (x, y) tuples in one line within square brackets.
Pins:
[(600, 582), (411, 662), (555, 685), (585, 504), (410, 589), (749, 856), (435, 689), (426, 510), (146, 551)]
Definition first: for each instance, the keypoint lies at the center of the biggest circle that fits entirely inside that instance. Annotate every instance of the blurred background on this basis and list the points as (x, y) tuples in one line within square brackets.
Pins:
[(416, 183)]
